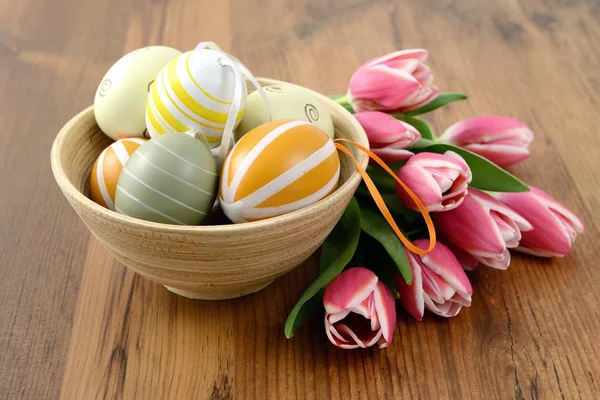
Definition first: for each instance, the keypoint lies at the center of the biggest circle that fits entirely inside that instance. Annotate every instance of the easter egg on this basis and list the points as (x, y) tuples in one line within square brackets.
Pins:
[(107, 169), (276, 168), (287, 102), (170, 179), (194, 92), (120, 102)]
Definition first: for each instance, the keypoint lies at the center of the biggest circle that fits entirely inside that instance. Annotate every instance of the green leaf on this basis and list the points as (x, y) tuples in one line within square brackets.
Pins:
[(441, 100), (381, 179), (359, 255), (421, 126), (380, 262), (336, 252), (486, 174), (375, 225)]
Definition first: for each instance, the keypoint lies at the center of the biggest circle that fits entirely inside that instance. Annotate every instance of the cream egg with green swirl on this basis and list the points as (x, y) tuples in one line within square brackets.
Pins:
[(287, 102)]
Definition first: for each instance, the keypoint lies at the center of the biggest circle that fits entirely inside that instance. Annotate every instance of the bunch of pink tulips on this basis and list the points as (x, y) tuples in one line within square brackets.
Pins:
[(480, 211)]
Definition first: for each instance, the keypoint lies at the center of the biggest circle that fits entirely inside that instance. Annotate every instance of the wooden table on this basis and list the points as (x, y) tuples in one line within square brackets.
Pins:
[(74, 323)]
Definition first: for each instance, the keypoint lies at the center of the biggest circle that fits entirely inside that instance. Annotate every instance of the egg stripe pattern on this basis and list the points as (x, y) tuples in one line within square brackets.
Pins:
[(168, 115), (229, 193), (191, 77), (316, 176), (171, 175), (146, 206), (290, 176), (166, 196), (182, 158), (108, 167), (102, 184), (170, 179), (178, 103), (262, 213)]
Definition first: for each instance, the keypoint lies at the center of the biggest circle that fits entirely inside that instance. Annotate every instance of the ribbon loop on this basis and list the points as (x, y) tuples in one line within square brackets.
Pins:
[(381, 203), (239, 70)]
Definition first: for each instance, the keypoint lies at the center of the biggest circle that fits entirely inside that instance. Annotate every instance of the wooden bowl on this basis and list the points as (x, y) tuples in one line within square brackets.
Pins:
[(212, 261)]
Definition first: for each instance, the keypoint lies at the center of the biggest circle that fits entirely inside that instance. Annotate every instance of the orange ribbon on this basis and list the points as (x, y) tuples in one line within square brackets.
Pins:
[(381, 203)]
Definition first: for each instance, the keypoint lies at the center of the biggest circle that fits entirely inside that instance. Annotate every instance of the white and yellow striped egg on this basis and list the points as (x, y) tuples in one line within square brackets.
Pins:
[(107, 169), (194, 92), (276, 168)]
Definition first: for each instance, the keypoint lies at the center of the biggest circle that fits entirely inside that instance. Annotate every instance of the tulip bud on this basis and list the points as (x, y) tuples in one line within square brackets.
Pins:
[(483, 227), (440, 181), (388, 137), (359, 310), (503, 141), (397, 82), (438, 284), (555, 228)]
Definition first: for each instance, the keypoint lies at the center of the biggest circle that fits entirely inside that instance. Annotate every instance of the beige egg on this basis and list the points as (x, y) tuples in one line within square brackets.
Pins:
[(120, 102), (287, 102)]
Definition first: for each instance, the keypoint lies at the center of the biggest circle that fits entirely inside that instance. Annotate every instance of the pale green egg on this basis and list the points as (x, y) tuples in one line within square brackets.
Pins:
[(287, 102), (171, 179)]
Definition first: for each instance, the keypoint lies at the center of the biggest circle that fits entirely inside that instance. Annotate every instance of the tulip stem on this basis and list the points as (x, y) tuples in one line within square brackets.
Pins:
[(342, 100), (422, 143)]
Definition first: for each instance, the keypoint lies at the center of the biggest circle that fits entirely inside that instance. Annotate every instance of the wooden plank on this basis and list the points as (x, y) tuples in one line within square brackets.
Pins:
[(134, 339)]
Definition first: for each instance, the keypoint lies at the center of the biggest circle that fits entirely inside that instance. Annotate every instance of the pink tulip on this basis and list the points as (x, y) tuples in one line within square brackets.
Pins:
[(483, 227), (554, 226), (440, 181), (397, 82), (359, 310), (465, 259), (388, 137), (439, 283), (503, 141)]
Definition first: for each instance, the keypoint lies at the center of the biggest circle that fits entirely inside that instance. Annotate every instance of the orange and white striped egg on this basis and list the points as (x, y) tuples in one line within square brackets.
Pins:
[(276, 168), (107, 169)]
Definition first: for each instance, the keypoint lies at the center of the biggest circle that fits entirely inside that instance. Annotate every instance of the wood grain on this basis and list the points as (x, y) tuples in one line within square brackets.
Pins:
[(75, 323)]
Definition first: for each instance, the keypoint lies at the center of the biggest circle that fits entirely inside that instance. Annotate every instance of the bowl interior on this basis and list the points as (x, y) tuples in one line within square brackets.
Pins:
[(81, 141)]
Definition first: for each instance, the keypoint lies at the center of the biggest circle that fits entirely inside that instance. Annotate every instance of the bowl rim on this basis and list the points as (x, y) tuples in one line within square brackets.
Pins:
[(71, 192)]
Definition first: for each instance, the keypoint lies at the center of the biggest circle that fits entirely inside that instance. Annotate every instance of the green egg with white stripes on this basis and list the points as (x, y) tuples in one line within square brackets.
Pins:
[(171, 179)]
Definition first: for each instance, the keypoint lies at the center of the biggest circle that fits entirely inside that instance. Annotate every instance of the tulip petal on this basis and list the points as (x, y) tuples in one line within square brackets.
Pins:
[(485, 129), (432, 93), (382, 87), (419, 54), (422, 183), (411, 296), (444, 263), (502, 140), (550, 235), (356, 329), (433, 286), (537, 253), (470, 227), (497, 261), (380, 127), (338, 316), (349, 289), (391, 155), (501, 155), (466, 261), (385, 307), (559, 209), (493, 204)]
